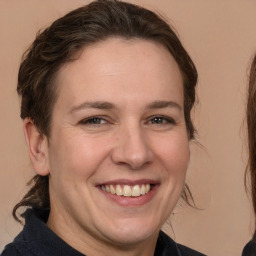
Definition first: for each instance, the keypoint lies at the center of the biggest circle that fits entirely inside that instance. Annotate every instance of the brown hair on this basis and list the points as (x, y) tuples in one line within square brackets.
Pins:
[(251, 126), (61, 42)]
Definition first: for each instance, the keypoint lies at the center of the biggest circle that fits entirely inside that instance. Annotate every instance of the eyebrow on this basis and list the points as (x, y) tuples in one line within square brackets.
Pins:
[(96, 104), (107, 105), (164, 104)]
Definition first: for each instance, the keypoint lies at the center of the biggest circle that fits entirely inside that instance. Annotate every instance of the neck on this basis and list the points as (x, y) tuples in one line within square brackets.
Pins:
[(88, 244)]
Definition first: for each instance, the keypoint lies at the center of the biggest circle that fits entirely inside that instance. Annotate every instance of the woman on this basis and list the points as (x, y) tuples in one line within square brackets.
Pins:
[(250, 248), (106, 94)]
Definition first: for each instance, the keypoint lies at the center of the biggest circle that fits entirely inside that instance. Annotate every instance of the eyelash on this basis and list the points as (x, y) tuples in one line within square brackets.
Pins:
[(165, 120), (95, 120)]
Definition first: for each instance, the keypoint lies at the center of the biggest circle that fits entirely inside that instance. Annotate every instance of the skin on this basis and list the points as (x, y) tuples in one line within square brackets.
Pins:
[(137, 133)]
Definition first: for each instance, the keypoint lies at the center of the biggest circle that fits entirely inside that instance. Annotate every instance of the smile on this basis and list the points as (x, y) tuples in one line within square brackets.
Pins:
[(127, 190)]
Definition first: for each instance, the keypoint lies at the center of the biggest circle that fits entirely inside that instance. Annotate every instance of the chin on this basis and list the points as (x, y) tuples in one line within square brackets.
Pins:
[(132, 232)]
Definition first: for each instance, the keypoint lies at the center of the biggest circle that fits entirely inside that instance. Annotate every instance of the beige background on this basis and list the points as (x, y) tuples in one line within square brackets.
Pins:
[(220, 35)]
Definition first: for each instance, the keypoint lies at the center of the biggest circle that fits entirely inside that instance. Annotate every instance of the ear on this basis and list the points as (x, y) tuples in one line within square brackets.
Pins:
[(37, 147)]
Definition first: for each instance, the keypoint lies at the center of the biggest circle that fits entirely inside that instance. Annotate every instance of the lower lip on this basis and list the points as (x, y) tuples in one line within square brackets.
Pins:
[(131, 201)]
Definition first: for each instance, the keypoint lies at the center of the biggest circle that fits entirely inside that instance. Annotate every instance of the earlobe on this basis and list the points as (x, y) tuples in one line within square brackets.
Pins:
[(37, 147)]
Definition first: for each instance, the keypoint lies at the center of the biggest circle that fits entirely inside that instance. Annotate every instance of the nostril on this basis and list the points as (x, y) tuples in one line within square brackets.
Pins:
[(134, 166)]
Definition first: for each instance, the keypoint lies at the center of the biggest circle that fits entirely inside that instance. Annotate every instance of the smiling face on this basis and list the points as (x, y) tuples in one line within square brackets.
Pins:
[(118, 151)]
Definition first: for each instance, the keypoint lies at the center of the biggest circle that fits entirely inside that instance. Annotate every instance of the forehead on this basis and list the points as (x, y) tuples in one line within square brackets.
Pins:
[(117, 65)]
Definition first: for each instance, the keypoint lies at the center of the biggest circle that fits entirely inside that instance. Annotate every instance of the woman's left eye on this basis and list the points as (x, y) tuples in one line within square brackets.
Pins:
[(161, 120)]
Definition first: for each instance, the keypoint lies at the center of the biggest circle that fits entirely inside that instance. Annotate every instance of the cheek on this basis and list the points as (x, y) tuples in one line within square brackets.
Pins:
[(77, 155), (175, 155)]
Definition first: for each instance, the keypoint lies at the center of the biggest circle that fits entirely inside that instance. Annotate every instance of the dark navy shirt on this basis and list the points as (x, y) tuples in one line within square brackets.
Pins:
[(36, 239), (249, 249)]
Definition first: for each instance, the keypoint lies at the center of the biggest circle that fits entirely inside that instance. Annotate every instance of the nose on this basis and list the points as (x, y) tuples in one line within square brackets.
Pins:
[(132, 149)]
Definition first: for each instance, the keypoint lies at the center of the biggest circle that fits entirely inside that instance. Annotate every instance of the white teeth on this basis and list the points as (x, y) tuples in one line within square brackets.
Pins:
[(112, 189), (119, 190), (107, 188), (143, 190), (147, 188), (126, 190), (136, 190)]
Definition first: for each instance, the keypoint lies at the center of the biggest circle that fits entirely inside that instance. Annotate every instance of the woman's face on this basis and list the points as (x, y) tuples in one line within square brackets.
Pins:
[(118, 150)]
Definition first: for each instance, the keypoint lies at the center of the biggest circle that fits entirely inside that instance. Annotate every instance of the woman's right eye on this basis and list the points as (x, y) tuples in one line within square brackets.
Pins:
[(93, 121)]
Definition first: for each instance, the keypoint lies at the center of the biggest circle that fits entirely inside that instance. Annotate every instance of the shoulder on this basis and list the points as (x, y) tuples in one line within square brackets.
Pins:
[(249, 249), (185, 251), (20, 245), (10, 250), (17, 248), (167, 246)]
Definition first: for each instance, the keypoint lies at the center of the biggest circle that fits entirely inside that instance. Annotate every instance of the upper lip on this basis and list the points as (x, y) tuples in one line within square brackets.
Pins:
[(128, 182)]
